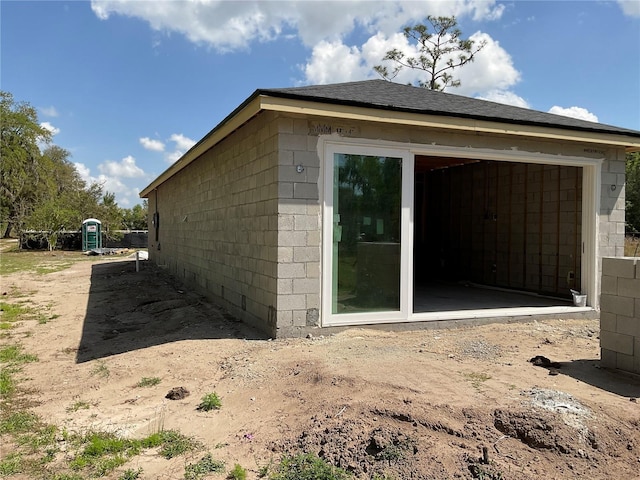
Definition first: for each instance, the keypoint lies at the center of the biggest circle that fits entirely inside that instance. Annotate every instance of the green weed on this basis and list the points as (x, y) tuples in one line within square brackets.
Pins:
[(210, 401), (396, 451), (476, 379), (175, 443), (130, 474), (106, 465), (263, 471), (152, 441), (99, 444), (104, 452), (238, 473), (148, 382), (66, 476), (100, 369), (206, 465), (41, 435), (19, 422), (11, 465), (485, 472), (12, 312), (12, 354), (78, 405), (7, 384), (306, 466)]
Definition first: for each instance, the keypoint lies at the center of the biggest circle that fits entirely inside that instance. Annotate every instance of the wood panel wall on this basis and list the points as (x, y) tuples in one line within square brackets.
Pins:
[(511, 225)]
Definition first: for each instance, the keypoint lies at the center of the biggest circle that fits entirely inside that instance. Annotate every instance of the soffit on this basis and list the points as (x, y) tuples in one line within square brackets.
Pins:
[(260, 102)]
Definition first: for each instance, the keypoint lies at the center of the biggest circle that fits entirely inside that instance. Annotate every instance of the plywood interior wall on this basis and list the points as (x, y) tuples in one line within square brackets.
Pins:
[(510, 225)]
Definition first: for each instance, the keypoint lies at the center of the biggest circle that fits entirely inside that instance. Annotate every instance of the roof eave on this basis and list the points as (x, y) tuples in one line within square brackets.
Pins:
[(595, 127), (248, 109), (266, 100), (446, 122)]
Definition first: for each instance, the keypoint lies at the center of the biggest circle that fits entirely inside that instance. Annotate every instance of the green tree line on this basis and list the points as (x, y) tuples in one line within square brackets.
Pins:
[(632, 193), (40, 188)]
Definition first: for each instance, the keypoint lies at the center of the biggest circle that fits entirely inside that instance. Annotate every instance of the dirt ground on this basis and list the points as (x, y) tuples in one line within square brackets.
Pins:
[(409, 405)]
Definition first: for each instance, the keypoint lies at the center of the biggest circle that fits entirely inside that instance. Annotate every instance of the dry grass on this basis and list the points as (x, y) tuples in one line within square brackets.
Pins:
[(632, 246)]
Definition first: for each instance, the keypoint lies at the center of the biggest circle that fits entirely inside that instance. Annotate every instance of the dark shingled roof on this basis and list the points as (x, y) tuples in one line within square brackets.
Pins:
[(385, 95)]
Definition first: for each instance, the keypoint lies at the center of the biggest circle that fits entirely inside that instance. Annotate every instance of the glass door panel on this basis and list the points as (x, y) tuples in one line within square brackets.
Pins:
[(366, 263)]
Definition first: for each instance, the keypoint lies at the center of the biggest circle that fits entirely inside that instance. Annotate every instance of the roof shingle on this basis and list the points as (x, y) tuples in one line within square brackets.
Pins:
[(385, 95)]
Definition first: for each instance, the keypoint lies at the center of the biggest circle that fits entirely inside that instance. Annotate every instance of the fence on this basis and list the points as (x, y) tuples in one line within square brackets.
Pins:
[(73, 240)]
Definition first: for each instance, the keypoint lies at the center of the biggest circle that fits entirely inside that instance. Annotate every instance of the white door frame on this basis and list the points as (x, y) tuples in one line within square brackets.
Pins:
[(328, 145), (406, 232)]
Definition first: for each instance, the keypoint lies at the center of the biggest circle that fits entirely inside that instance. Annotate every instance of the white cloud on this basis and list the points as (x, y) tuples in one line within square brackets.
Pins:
[(333, 62), (492, 69), (114, 177), (125, 168), (47, 126), (49, 111), (574, 112), (151, 144), (109, 184), (83, 171), (630, 8), (228, 26), (182, 142), (505, 97), (182, 145), (174, 156)]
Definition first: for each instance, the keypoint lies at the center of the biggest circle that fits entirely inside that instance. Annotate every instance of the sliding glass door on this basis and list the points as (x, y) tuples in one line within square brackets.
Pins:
[(364, 194)]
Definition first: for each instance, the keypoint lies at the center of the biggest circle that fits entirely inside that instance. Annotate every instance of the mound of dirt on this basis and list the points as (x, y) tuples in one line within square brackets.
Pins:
[(177, 393)]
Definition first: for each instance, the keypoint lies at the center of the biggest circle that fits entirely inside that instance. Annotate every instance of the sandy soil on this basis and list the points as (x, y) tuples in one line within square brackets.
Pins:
[(413, 405)]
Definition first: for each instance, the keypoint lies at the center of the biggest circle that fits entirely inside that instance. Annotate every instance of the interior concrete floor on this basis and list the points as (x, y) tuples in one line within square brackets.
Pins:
[(444, 296)]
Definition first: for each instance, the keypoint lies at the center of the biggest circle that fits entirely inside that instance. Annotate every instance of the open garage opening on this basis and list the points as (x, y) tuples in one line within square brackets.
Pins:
[(495, 234)]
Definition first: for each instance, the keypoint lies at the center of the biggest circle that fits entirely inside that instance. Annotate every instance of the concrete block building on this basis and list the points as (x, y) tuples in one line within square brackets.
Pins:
[(372, 202)]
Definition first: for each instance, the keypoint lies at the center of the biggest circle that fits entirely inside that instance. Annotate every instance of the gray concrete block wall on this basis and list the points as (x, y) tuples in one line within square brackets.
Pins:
[(556, 248), (243, 224), (612, 204), (620, 314), (217, 230), (299, 234)]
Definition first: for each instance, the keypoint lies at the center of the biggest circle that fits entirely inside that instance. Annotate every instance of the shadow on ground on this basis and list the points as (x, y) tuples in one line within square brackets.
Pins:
[(589, 371), (129, 310)]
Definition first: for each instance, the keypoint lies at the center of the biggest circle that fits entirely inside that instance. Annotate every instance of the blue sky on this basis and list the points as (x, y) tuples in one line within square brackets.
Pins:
[(127, 86)]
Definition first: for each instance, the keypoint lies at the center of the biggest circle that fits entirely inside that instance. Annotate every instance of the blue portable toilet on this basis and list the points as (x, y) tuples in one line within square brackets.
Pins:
[(91, 234)]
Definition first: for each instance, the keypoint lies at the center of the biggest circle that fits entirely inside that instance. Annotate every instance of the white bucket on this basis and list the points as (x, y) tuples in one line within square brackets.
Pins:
[(579, 300)]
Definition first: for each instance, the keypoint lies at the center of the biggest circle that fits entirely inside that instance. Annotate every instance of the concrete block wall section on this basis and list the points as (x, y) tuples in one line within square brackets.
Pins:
[(217, 232), (556, 245), (620, 314), (612, 204), (299, 227)]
